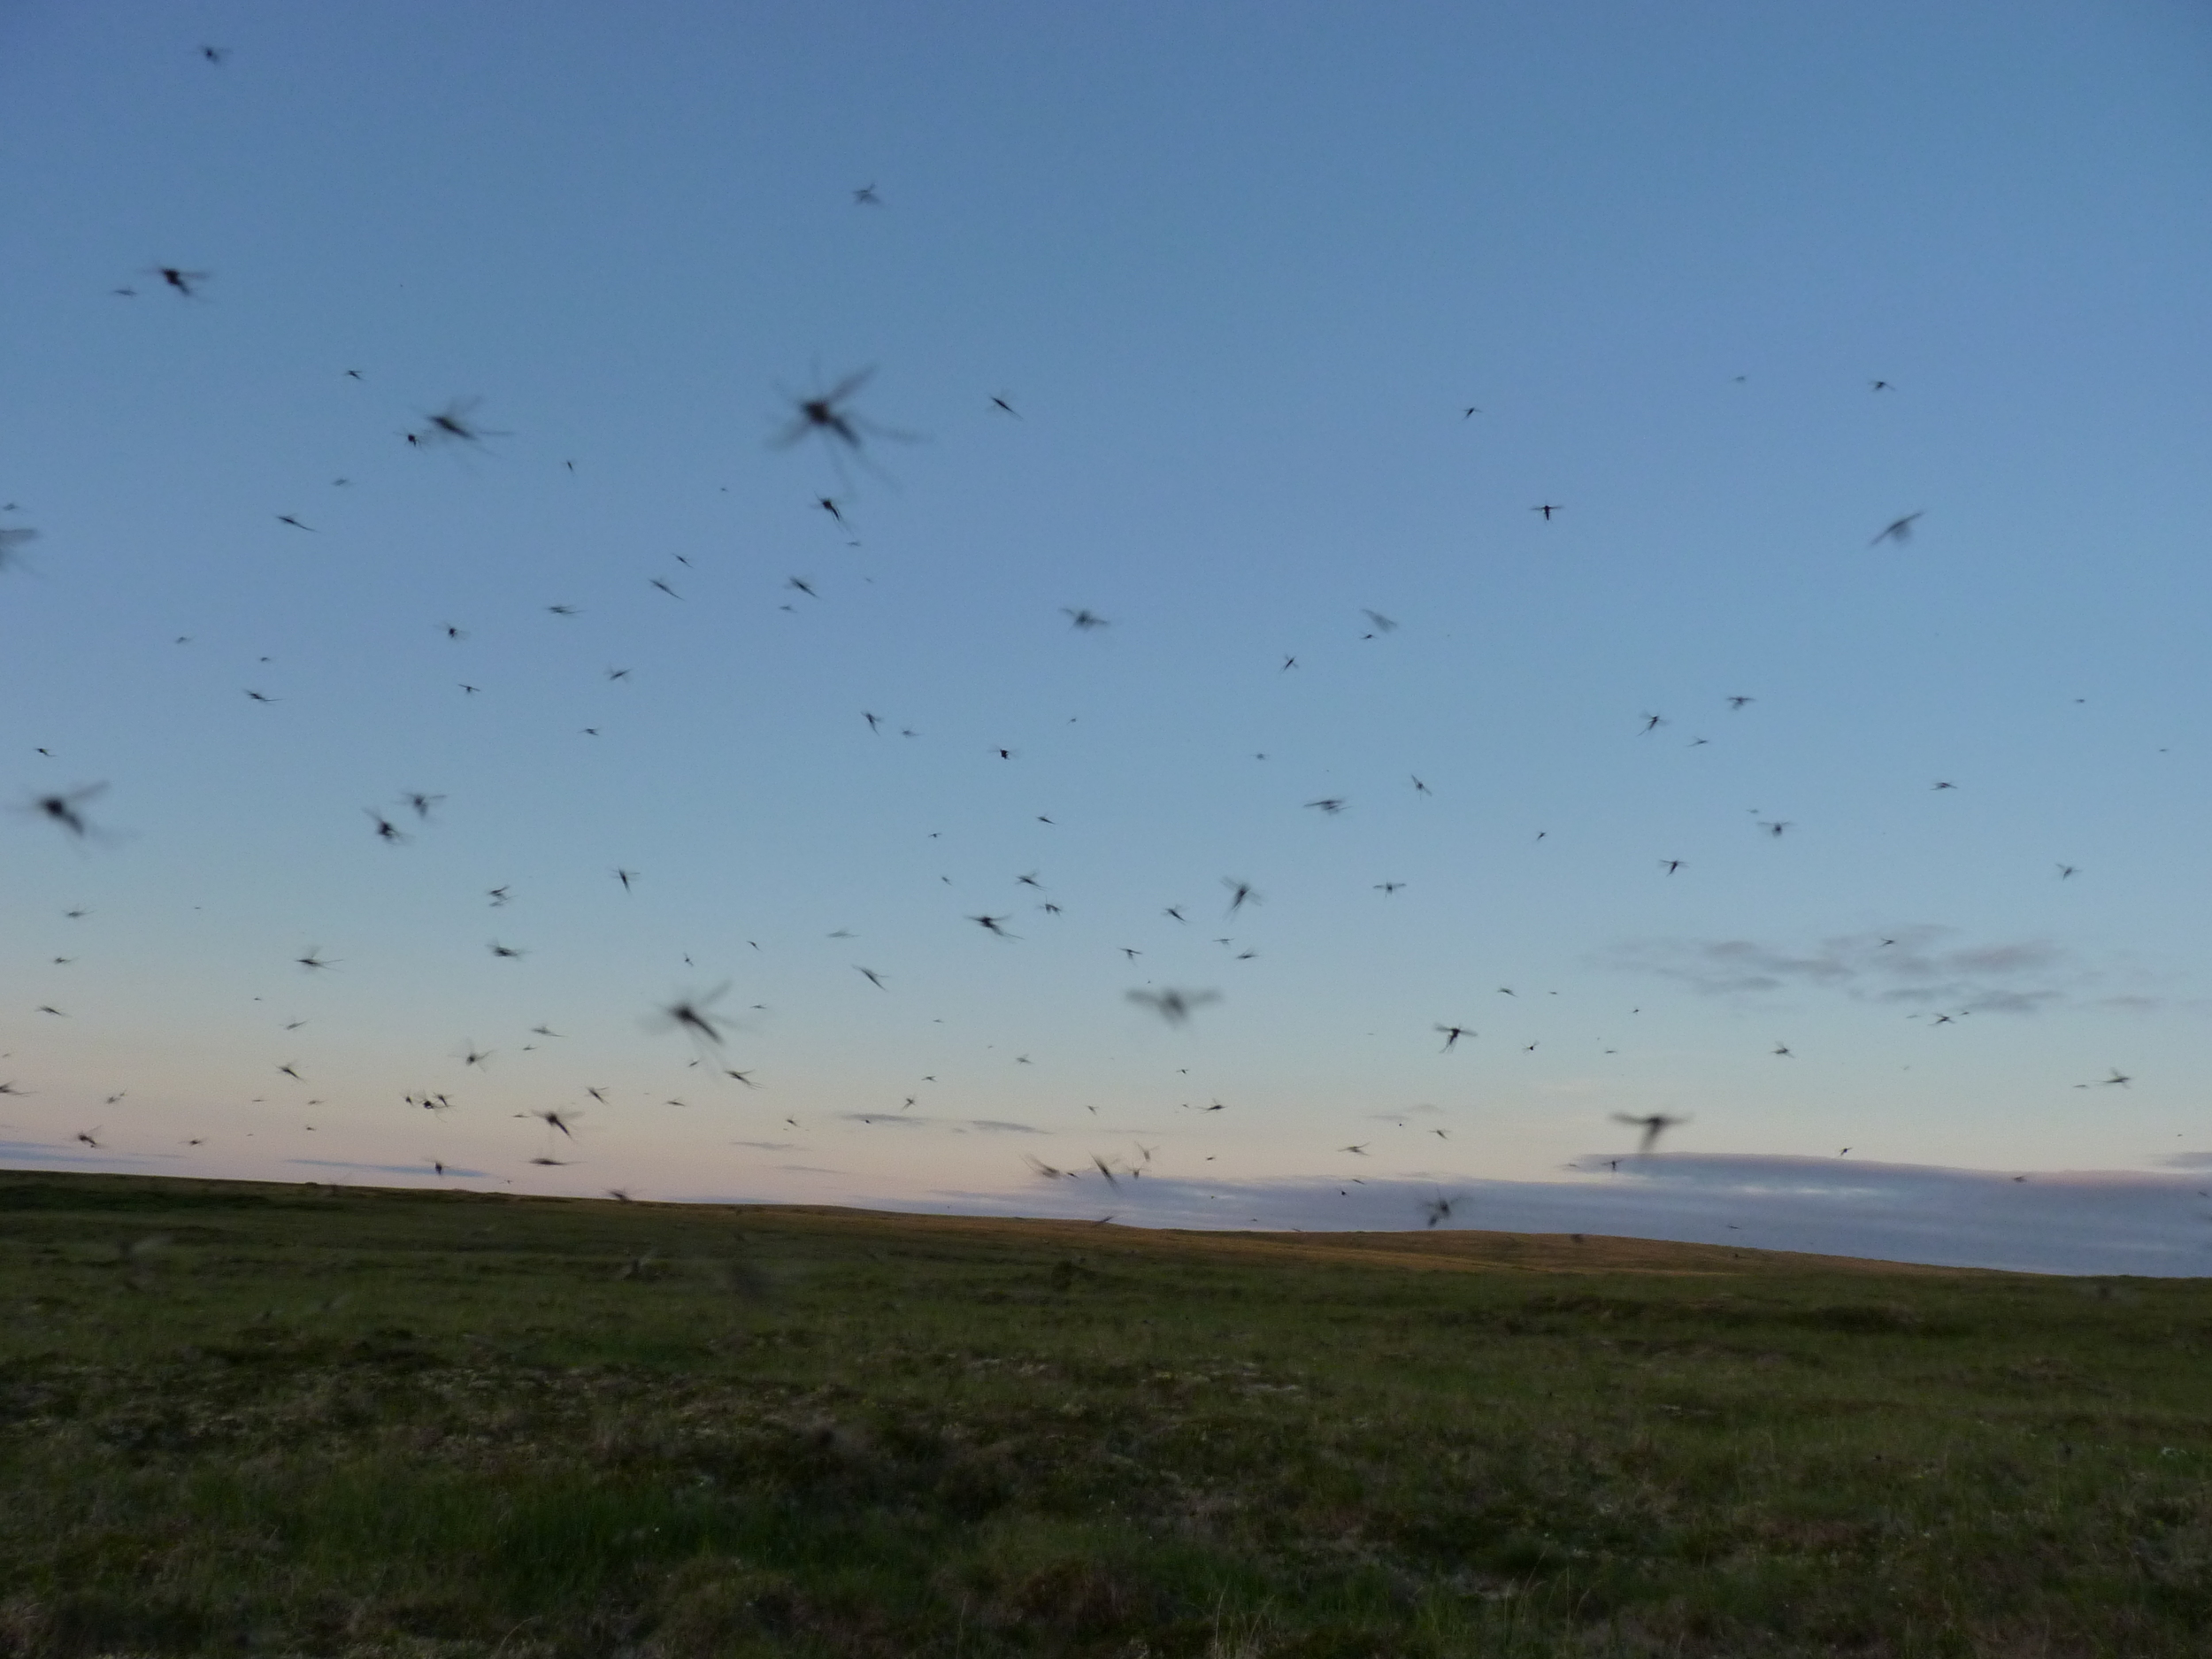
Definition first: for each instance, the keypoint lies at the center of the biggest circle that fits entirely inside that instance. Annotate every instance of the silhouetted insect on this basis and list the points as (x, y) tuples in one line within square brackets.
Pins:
[(452, 424), (66, 809), (1171, 1005), (830, 416), (690, 1015), (1896, 530), (1653, 1125)]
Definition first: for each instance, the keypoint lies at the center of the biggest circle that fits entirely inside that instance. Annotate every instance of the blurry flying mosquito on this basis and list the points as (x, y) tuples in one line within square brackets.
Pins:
[(694, 1016), (185, 282), (1654, 1125), (1899, 530), (1171, 1005), (829, 415), (453, 424), (67, 809)]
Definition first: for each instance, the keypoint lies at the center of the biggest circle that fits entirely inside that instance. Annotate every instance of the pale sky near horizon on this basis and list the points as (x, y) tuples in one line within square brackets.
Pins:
[(1735, 287)]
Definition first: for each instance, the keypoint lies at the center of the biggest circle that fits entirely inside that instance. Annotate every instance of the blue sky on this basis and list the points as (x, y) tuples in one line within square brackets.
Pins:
[(1239, 271)]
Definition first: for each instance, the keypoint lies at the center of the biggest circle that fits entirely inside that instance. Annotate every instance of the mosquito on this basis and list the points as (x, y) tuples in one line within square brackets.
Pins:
[(453, 425), (66, 809), (690, 1015), (185, 282), (1172, 1005), (1655, 1125), (830, 416)]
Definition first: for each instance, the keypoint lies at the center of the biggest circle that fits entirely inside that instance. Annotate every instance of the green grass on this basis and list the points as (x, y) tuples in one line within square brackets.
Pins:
[(292, 1420)]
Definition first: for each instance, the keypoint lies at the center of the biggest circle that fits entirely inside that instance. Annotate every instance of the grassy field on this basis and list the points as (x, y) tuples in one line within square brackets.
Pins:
[(307, 1420)]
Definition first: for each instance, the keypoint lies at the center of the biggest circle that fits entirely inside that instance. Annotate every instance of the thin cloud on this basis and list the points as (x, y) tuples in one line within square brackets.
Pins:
[(40, 1152), (958, 1126), (1920, 966)]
